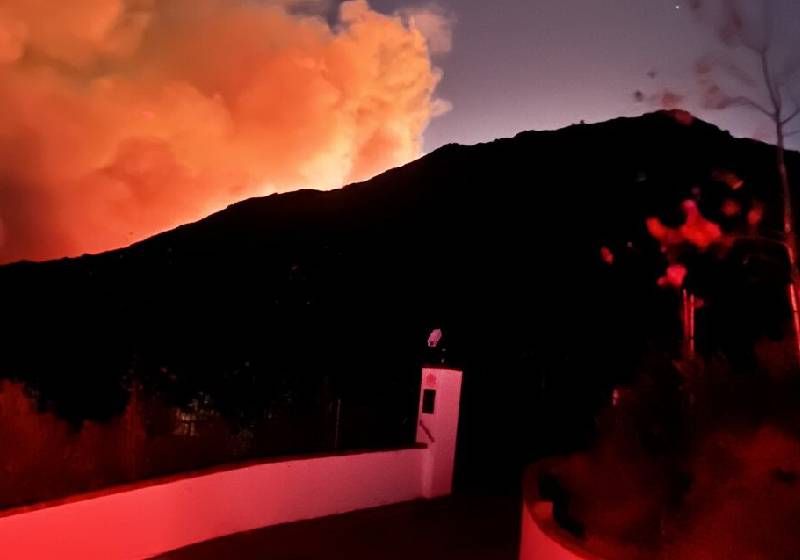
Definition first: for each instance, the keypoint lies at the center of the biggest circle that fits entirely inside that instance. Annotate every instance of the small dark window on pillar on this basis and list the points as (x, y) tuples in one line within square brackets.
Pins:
[(428, 401)]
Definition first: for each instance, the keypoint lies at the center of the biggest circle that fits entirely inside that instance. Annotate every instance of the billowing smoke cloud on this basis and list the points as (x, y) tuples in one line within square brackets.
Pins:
[(123, 118), (435, 23)]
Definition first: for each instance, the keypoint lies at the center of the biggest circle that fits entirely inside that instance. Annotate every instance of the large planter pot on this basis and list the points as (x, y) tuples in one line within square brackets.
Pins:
[(542, 538)]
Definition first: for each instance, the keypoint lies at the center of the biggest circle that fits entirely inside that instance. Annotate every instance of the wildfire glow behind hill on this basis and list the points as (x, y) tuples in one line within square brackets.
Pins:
[(124, 118)]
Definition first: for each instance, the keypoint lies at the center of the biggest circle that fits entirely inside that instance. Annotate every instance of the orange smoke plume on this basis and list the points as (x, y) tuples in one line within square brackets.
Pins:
[(123, 118)]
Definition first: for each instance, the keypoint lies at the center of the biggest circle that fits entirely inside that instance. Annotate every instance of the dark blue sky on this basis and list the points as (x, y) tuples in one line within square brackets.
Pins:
[(542, 64)]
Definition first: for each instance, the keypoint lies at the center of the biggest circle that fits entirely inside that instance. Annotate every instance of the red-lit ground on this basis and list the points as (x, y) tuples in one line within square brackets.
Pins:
[(463, 527)]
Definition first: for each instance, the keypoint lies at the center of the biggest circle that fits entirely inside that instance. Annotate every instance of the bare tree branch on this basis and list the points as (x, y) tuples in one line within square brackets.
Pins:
[(774, 93), (793, 115), (746, 101), (735, 31)]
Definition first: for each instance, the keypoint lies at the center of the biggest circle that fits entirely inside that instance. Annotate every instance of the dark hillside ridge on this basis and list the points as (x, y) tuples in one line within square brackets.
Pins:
[(498, 244)]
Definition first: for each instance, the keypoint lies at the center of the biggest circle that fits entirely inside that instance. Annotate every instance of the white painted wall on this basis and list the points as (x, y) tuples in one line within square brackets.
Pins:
[(141, 522)]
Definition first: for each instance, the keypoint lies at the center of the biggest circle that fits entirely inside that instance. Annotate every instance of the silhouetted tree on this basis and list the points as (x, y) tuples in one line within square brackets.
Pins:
[(753, 74)]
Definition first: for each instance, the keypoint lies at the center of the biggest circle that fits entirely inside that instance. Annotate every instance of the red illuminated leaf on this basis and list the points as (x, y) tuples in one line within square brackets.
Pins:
[(731, 208), (607, 255), (697, 230), (729, 178), (755, 215), (674, 277)]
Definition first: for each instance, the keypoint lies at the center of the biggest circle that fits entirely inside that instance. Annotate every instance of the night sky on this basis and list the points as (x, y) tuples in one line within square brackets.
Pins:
[(543, 64)]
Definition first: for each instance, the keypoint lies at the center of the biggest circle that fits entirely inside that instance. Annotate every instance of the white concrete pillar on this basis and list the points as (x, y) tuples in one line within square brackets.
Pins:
[(437, 427)]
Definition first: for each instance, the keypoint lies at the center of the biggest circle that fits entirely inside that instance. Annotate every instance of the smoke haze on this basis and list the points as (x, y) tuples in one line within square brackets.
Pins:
[(123, 118)]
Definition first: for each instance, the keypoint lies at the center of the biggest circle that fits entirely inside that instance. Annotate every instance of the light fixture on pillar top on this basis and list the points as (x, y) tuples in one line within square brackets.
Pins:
[(436, 350)]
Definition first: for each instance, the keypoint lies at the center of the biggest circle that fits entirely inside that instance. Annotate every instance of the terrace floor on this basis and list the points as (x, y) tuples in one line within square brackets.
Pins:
[(464, 527)]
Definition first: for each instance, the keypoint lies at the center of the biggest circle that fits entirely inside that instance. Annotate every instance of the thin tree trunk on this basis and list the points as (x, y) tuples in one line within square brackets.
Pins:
[(689, 307), (790, 239)]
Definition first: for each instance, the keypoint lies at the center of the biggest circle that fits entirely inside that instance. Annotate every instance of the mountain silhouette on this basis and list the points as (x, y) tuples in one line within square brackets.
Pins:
[(532, 254)]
